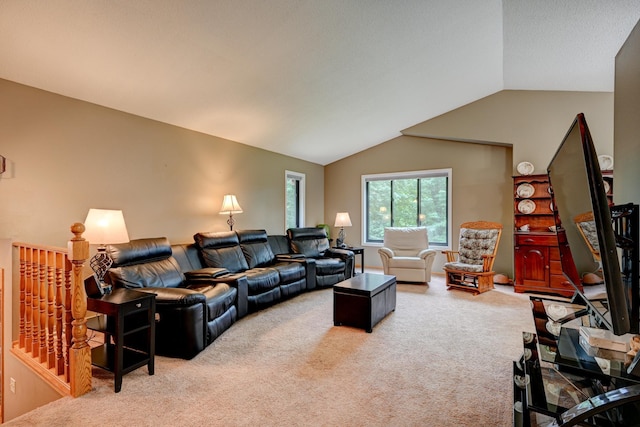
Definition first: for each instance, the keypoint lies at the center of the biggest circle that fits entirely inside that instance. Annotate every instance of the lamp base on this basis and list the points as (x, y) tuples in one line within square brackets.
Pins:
[(231, 221), (100, 263), (340, 240)]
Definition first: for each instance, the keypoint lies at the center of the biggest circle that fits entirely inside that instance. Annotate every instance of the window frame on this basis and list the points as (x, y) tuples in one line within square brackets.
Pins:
[(448, 172), (301, 178)]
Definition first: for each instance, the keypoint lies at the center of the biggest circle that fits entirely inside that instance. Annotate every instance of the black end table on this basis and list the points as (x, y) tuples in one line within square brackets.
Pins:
[(129, 332), (356, 251)]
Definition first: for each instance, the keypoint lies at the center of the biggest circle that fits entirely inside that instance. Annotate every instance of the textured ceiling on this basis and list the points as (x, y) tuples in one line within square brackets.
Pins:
[(316, 80)]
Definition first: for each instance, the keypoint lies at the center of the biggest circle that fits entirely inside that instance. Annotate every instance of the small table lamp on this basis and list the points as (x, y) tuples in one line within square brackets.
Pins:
[(104, 227), (342, 221), (230, 206)]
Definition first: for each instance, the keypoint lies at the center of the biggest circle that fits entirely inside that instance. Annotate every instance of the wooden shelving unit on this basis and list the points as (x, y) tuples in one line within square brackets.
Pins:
[(536, 252)]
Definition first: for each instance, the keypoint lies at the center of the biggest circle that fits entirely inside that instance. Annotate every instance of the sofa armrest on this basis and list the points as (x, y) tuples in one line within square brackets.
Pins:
[(346, 255), (427, 253), (289, 257), (205, 274), (339, 253), (175, 296), (452, 256), (385, 252), (238, 281)]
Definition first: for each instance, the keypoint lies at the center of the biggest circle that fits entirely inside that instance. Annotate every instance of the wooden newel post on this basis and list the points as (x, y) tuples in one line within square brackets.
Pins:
[(80, 352)]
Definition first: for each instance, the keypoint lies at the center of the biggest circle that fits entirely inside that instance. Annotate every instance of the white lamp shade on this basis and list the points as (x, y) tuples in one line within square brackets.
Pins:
[(230, 205), (105, 226), (342, 219)]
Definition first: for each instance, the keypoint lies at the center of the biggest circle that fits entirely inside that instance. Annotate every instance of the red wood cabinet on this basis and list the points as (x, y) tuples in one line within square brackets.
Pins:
[(536, 253)]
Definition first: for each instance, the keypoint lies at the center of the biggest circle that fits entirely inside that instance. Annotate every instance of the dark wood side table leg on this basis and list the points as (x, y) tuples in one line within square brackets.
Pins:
[(119, 351), (152, 337)]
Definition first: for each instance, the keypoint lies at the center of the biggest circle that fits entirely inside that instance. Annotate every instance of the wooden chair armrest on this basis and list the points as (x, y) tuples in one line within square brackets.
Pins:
[(452, 256), (487, 262)]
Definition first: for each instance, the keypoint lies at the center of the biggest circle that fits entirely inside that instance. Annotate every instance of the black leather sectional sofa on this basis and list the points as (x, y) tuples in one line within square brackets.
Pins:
[(202, 288)]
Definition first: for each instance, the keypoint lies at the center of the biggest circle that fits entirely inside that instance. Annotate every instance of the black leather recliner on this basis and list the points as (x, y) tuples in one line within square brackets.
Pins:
[(258, 253), (189, 315), (269, 279), (332, 265)]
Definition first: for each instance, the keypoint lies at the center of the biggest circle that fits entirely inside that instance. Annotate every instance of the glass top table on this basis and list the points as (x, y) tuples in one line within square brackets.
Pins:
[(561, 375)]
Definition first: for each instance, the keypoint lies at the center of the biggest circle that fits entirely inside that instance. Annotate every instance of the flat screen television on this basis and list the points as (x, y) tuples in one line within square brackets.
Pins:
[(578, 194)]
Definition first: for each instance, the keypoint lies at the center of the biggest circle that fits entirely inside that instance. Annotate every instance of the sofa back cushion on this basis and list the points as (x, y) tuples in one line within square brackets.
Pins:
[(279, 244), (188, 256), (255, 247), (144, 263), (312, 242), (222, 250), (406, 241)]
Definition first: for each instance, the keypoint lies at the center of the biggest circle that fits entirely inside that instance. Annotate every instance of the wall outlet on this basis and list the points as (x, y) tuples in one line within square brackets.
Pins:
[(12, 385)]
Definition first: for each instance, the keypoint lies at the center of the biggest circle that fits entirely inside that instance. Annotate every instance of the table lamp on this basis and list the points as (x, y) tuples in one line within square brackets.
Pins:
[(229, 207), (104, 227), (342, 221)]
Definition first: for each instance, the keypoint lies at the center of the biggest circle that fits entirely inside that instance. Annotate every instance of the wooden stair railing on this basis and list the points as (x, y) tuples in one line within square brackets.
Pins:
[(52, 330)]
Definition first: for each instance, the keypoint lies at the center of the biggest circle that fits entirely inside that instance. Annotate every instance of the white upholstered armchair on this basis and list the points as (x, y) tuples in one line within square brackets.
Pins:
[(406, 254)]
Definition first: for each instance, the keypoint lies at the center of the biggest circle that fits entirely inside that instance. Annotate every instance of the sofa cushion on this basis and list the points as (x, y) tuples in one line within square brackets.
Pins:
[(279, 243), (255, 247), (222, 249), (144, 263), (220, 298), (290, 271), (187, 256), (326, 266), (406, 241), (156, 274), (407, 262), (261, 280), (139, 250), (310, 241)]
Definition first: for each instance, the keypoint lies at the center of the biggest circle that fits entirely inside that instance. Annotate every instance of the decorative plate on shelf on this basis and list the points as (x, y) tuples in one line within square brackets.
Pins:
[(525, 168), (554, 327), (607, 187), (525, 190), (526, 206), (557, 311), (606, 162)]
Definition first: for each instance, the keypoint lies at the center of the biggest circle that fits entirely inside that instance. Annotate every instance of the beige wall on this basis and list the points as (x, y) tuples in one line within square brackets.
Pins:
[(627, 121), (509, 126), (533, 122), (65, 156)]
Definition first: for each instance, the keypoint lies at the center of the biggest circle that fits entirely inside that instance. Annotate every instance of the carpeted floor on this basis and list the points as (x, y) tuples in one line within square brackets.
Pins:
[(443, 358)]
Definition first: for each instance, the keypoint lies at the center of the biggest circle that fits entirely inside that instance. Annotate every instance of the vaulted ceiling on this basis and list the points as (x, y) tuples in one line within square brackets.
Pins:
[(318, 80)]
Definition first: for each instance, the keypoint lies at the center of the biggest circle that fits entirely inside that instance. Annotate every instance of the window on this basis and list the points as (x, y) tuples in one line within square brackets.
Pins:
[(294, 199), (408, 199)]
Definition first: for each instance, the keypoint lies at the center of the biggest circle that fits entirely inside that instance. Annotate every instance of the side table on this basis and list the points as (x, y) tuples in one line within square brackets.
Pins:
[(356, 251), (129, 332)]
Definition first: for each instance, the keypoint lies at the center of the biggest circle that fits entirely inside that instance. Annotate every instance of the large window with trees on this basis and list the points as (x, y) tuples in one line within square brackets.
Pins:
[(408, 199)]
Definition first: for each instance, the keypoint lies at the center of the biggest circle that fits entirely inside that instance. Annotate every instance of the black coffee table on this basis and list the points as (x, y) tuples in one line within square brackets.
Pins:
[(364, 300)]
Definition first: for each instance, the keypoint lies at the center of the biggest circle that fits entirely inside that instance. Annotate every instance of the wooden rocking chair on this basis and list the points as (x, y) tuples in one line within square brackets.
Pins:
[(470, 268)]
